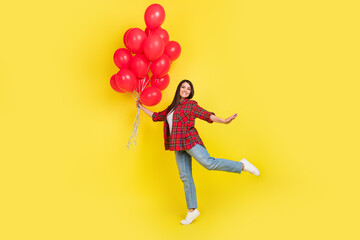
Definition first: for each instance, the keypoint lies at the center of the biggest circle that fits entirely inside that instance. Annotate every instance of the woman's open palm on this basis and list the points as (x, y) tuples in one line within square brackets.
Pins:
[(229, 119)]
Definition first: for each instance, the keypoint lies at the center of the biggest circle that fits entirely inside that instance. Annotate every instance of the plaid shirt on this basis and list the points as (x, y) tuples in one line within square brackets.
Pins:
[(183, 134)]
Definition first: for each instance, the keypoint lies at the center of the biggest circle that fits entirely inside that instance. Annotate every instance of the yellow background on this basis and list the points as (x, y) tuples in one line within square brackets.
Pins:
[(290, 69)]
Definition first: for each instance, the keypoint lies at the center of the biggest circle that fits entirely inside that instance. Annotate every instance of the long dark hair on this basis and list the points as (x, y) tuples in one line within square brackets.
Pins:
[(177, 97)]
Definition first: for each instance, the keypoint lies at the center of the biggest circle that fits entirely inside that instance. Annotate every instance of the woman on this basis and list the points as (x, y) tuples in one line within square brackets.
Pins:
[(181, 136)]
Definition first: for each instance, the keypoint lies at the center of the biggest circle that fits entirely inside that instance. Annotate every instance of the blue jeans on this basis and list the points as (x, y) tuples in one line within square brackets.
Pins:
[(201, 155)]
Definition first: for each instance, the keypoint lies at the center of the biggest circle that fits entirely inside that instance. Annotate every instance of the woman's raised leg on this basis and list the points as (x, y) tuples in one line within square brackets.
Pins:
[(200, 154)]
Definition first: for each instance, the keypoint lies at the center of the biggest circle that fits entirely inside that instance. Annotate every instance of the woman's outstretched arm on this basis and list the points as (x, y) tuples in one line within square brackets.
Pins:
[(145, 110), (201, 113), (220, 120)]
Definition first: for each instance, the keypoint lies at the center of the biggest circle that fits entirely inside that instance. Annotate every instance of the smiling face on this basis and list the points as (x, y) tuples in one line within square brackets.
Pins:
[(185, 90)]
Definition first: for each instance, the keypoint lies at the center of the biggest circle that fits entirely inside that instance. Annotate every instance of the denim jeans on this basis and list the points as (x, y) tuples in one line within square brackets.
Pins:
[(201, 155)]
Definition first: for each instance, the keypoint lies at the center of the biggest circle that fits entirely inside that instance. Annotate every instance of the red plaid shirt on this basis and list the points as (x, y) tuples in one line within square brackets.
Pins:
[(183, 134)]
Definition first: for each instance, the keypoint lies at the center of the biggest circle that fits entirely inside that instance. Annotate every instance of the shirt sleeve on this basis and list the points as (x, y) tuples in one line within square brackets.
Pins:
[(201, 113), (159, 116)]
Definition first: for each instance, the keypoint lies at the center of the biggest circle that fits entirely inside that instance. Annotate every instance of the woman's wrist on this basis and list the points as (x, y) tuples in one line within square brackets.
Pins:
[(216, 119)]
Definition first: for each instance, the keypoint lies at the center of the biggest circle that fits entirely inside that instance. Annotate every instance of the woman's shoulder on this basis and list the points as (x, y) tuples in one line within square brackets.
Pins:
[(191, 102)]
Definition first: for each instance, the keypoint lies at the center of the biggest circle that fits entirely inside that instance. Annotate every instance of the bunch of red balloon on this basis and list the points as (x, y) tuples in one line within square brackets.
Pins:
[(145, 50)]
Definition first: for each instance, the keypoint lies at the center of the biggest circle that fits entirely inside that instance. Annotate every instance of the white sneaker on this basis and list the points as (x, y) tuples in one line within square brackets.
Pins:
[(190, 217), (248, 167)]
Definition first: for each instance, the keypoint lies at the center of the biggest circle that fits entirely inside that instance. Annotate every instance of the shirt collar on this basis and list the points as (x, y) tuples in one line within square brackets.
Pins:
[(184, 101)]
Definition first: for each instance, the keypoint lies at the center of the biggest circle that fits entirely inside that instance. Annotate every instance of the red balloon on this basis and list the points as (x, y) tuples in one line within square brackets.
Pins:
[(139, 65), (173, 50), (142, 83), (154, 16), (113, 84), (160, 66), (153, 47), (162, 33), (148, 31), (124, 38), (135, 39), (160, 83), (150, 96), (126, 80), (122, 57)]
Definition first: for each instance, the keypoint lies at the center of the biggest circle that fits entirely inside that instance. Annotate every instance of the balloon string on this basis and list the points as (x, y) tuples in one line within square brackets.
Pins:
[(146, 83), (143, 87), (132, 95), (132, 139), (149, 67)]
